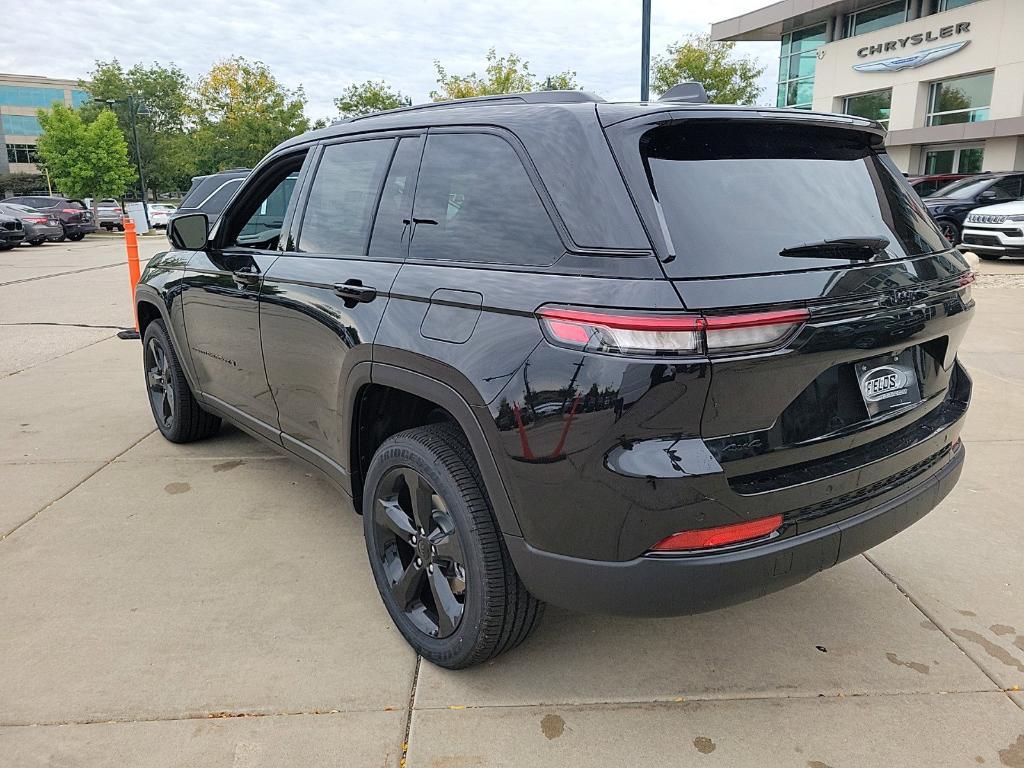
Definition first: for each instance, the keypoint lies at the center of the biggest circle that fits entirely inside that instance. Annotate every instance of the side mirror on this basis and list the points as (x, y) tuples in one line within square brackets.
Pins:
[(189, 232), (988, 194)]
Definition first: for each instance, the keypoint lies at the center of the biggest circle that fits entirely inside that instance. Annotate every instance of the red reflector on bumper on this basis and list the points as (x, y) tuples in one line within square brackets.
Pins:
[(720, 536)]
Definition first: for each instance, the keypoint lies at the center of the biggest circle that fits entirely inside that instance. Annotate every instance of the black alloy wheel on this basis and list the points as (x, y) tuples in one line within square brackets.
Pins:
[(176, 412), (950, 231), (160, 382), (436, 552), (419, 548)]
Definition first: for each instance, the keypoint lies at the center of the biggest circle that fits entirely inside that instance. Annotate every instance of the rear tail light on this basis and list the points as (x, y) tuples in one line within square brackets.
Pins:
[(966, 286), (36, 219), (721, 536), (667, 334), (71, 210)]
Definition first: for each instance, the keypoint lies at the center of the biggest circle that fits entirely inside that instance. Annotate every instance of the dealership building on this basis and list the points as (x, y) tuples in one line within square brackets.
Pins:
[(21, 97), (946, 77)]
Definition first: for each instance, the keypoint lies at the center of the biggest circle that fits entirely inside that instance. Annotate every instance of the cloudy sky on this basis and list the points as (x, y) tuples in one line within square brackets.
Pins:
[(324, 46)]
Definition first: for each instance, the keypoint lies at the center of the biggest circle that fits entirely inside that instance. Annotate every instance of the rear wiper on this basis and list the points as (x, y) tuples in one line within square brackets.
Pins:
[(850, 248)]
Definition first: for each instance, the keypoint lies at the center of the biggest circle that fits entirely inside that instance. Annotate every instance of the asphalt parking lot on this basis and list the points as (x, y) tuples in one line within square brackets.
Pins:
[(211, 604)]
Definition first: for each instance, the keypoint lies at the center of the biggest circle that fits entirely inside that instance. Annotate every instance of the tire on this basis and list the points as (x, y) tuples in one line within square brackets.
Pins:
[(76, 237), (36, 242), (176, 412), (120, 227), (489, 608), (988, 256), (950, 230)]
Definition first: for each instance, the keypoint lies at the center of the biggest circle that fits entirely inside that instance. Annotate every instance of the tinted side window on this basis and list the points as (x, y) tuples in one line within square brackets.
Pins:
[(475, 202), (341, 200), (390, 228), (925, 188), (1008, 188), (219, 199)]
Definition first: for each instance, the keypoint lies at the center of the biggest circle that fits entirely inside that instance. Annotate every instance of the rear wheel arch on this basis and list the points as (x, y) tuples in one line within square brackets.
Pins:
[(407, 399)]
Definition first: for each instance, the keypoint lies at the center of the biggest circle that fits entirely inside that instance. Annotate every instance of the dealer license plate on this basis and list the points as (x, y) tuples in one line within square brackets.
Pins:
[(888, 382)]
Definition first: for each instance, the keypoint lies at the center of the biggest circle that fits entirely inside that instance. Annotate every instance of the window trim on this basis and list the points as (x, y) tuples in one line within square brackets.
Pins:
[(561, 231)]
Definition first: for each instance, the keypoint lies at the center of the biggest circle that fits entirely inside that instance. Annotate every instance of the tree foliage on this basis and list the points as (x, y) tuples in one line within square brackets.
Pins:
[(241, 112), (728, 79), (21, 183), (371, 96), (84, 159), (164, 90), (503, 74)]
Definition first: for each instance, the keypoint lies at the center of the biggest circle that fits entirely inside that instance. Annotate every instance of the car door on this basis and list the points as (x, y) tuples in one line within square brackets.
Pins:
[(323, 299), (221, 288)]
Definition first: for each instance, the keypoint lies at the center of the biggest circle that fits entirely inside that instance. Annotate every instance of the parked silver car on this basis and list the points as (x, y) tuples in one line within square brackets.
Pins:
[(110, 215)]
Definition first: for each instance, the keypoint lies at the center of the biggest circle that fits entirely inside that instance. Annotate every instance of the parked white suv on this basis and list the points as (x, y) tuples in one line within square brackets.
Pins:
[(995, 230)]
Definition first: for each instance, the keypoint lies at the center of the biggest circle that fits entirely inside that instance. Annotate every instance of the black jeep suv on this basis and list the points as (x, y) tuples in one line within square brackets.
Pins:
[(950, 205), (646, 359)]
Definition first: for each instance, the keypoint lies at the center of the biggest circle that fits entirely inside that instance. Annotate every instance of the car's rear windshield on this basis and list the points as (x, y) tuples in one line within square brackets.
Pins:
[(734, 196)]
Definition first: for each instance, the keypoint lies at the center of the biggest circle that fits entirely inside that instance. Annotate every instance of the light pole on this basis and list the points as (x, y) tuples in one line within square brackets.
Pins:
[(136, 108), (645, 52)]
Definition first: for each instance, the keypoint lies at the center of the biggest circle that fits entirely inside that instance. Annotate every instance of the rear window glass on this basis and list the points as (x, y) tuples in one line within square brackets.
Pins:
[(734, 196)]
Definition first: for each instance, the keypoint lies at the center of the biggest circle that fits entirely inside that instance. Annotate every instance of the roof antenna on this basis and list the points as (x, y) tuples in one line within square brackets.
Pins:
[(691, 93)]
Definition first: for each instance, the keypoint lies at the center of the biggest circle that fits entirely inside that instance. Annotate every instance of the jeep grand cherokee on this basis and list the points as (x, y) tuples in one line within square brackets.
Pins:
[(645, 359)]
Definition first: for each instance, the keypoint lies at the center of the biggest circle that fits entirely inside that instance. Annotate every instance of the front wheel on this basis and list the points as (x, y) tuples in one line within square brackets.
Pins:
[(436, 552), (950, 230), (176, 412), (76, 237), (36, 242)]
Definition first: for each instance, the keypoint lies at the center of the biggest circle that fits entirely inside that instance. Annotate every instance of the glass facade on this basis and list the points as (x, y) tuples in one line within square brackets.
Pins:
[(874, 105), (796, 66), (960, 100), (21, 153), (953, 160), (949, 5), (25, 96), (21, 125), (878, 17)]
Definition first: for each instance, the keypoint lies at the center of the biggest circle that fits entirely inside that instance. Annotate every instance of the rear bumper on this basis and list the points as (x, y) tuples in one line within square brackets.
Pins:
[(679, 585), (83, 228)]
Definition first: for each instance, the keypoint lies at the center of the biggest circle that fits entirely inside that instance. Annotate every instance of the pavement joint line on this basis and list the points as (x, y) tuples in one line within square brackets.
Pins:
[(215, 716), (933, 619), (410, 707), (58, 357), (666, 703), (77, 485), (60, 274)]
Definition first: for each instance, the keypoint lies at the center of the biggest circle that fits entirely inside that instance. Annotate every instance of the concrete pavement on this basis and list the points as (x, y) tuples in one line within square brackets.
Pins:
[(169, 605)]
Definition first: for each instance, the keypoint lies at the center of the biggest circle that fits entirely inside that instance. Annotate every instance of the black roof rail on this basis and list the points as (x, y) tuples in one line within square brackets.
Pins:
[(527, 97)]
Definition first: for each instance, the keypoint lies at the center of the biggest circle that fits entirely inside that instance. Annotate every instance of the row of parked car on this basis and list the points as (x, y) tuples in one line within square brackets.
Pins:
[(983, 212), (36, 219)]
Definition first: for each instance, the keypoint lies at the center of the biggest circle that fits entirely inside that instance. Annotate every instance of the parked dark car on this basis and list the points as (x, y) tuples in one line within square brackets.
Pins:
[(210, 194), (39, 227), (950, 205), (532, 339), (11, 231), (75, 217), (928, 185)]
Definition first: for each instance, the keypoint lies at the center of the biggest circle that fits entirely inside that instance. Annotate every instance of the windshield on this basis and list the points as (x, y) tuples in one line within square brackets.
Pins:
[(735, 195), (964, 189)]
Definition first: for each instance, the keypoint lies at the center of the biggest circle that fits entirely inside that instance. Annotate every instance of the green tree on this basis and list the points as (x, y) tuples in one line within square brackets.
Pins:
[(168, 161), (21, 183), (728, 79), (368, 97), (241, 112), (503, 74), (84, 159)]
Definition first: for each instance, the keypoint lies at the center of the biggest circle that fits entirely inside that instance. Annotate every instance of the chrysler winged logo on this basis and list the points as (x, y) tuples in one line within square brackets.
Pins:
[(914, 60)]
